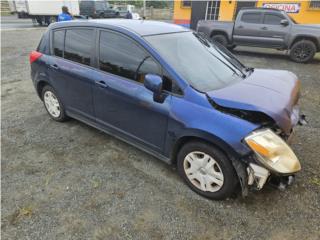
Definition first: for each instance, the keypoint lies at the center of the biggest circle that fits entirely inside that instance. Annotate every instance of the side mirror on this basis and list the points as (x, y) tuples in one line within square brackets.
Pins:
[(284, 22), (153, 83)]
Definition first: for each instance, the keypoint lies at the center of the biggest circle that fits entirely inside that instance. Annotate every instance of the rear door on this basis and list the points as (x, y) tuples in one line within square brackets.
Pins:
[(70, 69), (273, 33), (247, 29)]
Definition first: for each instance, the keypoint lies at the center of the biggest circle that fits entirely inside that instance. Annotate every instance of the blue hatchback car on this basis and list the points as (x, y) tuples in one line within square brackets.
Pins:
[(171, 92)]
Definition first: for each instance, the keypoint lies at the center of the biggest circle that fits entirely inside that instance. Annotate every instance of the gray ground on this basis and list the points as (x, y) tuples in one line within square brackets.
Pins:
[(70, 181), (13, 22)]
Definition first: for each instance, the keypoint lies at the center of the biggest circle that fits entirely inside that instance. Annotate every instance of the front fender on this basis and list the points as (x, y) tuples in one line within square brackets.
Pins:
[(195, 117)]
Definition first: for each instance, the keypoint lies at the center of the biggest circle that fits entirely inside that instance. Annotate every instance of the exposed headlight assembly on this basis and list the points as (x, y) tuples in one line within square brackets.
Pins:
[(273, 152)]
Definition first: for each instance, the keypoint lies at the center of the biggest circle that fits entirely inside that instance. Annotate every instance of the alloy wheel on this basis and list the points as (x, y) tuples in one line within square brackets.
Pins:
[(302, 51)]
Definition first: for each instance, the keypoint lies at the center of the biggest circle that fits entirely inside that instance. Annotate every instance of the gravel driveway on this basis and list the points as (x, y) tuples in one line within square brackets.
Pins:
[(70, 181)]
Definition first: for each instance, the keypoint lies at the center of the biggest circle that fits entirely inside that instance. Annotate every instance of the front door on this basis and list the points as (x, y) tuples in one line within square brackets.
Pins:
[(272, 31), (122, 103)]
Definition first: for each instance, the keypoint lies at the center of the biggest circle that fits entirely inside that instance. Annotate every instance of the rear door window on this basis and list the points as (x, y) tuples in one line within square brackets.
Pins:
[(58, 43), (272, 19), (251, 17), (79, 45)]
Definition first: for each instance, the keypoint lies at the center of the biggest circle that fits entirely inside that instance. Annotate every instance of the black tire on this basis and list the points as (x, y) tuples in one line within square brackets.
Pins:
[(230, 179), (303, 51), (221, 39), (231, 47), (62, 116), (39, 21), (52, 19)]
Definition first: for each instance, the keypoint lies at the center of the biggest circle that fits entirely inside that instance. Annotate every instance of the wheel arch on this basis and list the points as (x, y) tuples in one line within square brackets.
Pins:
[(40, 85), (219, 32), (239, 166), (305, 37), (203, 137)]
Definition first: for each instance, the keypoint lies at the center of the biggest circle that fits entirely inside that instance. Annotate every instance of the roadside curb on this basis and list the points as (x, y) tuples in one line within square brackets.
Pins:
[(22, 29)]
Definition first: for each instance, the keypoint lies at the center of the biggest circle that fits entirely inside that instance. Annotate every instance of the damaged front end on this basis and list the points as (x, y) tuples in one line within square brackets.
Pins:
[(271, 161), (270, 99)]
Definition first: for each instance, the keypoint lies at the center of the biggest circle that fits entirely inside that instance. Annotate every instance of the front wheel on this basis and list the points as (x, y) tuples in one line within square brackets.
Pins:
[(207, 170), (303, 51)]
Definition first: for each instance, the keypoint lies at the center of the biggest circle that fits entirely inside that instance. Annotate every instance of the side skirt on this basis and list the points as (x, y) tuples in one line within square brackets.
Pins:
[(122, 138)]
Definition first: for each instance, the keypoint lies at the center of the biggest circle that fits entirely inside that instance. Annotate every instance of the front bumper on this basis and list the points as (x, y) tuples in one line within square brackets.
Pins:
[(257, 175)]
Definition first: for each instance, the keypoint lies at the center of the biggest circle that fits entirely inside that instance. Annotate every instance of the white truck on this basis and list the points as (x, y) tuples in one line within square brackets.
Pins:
[(44, 11)]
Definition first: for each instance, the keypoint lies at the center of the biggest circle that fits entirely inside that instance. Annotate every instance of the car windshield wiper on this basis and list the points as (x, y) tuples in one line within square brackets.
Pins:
[(202, 40), (205, 42), (250, 70)]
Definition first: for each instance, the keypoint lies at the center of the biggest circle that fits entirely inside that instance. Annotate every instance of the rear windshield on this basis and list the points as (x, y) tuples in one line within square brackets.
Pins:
[(201, 63)]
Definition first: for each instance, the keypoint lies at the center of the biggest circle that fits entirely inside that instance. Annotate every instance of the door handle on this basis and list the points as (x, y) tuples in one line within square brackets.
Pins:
[(264, 28), (54, 66), (101, 84), (240, 26)]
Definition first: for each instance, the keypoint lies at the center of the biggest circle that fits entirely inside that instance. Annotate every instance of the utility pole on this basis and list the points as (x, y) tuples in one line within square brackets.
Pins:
[(144, 8)]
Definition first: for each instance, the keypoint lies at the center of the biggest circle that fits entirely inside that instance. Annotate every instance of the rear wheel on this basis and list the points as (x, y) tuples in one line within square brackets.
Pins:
[(221, 39), (231, 47), (53, 104), (53, 19), (207, 170), (303, 51)]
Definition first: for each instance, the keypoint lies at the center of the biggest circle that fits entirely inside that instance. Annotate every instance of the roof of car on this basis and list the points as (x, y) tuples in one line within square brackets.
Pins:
[(260, 9), (140, 27)]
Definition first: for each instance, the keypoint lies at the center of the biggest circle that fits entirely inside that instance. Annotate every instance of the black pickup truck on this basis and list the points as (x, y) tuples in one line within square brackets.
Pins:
[(269, 28)]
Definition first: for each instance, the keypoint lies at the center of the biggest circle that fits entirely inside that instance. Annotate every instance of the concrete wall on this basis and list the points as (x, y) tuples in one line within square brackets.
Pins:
[(156, 14)]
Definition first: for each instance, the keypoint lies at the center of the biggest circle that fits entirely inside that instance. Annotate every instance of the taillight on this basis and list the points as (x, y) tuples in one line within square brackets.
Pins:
[(34, 55)]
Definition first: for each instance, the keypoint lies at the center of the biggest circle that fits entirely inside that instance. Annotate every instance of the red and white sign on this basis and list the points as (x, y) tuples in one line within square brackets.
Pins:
[(287, 7)]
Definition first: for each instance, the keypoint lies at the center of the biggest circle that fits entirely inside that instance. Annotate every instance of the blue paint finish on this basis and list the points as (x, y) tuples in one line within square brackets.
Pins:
[(194, 116), (127, 108), (273, 92)]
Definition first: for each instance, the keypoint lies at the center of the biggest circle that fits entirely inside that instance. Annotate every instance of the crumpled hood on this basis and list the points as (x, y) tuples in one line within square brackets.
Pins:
[(273, 92)]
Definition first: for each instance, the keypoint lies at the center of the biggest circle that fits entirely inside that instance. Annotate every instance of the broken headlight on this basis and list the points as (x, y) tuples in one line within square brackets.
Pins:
[(273, 152)]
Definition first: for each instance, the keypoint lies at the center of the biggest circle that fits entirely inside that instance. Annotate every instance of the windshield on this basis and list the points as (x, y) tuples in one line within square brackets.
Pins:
[(203, 64)]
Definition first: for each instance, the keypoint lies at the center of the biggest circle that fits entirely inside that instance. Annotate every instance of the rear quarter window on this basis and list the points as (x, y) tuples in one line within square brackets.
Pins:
[(58, 42), (43, 46)]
